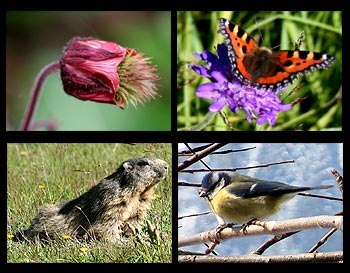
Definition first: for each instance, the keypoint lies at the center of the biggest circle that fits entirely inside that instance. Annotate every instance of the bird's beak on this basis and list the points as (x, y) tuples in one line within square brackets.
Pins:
[(202, 193)]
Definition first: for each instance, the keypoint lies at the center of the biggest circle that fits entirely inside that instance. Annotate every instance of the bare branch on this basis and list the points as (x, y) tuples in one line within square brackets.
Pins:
[(193, 152), (239, 168), (196, 149), (200, 155), (320, 196), (270, 227), (261, 249), (193, 215), (336, 256), (187, 153), (339, 179), (189, 184), (323, 240)]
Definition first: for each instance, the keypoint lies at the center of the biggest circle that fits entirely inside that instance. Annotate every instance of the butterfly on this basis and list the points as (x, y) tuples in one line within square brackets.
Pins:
[(263, 68)]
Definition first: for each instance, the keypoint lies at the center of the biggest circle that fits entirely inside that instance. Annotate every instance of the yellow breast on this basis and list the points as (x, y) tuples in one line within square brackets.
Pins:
[(240, 210)]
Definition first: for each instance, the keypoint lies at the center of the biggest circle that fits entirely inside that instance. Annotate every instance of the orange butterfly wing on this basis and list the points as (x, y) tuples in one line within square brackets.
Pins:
[(239, 44), (262, 68), (291, 64)]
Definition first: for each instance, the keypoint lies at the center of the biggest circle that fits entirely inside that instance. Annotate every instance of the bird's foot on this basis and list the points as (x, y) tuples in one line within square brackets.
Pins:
[(220, 228), (246, 225)]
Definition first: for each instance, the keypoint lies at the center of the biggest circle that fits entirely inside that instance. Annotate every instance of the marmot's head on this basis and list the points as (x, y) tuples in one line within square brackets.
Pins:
[(141, 173)]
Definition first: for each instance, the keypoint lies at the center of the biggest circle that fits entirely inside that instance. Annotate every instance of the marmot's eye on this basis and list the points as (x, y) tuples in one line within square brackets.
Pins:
[(142, 163)]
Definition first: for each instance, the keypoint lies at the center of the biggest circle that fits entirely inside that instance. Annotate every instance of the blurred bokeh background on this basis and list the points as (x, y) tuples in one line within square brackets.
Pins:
[(35, 39)]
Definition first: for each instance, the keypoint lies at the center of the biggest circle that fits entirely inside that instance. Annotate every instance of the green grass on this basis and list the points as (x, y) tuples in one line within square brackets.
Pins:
[(322, 108), (65, 171)]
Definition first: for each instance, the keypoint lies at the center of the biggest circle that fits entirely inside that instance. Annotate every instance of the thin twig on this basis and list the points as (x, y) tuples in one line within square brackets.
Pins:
[(193, 215), (239, 168), (261, 249), (196, 149), (200, 155), (194, 153), (322, 240), (339, 180), (187, 153), (188, 184), (320, 196)]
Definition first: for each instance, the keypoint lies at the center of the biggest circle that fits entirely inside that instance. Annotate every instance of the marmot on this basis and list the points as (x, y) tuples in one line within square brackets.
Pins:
[(116, 205)]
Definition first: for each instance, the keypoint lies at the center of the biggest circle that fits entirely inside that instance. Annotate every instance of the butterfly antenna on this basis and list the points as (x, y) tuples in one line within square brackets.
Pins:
[(261, 39), (298, 43)]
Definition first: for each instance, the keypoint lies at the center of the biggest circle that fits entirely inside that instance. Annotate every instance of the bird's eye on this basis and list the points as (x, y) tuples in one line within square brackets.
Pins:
[(213, 185)]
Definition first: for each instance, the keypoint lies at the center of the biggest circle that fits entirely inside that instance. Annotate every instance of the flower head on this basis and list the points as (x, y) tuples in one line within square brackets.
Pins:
[(226, 89), (106, 72), (156, 195), (66, 237)]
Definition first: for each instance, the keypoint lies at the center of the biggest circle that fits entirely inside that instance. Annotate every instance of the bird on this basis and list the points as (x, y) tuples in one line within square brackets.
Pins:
[(240, 199)]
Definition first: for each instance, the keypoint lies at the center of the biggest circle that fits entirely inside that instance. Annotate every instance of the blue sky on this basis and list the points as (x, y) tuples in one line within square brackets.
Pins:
[(313, 162)]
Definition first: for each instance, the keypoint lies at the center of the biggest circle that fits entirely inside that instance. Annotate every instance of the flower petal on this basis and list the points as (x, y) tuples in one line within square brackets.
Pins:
[(207, 90), (106, 72), (226, 89), (218, 105)]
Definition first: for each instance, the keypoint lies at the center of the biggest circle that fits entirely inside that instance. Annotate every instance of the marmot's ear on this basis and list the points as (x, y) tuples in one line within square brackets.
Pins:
[(127, 166)]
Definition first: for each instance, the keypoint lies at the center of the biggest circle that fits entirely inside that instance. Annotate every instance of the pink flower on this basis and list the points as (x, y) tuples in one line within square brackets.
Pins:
[(106, 72)]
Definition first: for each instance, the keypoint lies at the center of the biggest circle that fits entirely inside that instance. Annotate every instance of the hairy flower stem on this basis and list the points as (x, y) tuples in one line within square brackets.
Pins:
[(34, 95)]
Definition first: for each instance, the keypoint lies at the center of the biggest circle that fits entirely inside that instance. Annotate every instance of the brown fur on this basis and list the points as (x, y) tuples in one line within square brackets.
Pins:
[(116, 205)]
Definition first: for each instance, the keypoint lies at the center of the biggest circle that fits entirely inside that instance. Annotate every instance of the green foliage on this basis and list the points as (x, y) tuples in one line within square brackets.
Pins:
[(40, 174), (322, 108)]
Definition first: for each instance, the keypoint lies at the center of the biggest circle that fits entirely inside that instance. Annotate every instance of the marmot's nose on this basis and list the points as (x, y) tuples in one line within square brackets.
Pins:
[(164, 165)]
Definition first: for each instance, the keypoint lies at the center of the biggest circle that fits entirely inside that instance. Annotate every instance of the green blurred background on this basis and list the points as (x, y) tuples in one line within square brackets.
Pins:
[(35, 39)]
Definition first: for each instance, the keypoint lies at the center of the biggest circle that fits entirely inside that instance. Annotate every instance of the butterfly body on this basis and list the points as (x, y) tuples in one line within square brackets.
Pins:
[(263, 68)]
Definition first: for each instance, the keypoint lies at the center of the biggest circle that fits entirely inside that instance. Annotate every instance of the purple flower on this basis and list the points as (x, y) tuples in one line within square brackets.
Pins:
[(226, 89)]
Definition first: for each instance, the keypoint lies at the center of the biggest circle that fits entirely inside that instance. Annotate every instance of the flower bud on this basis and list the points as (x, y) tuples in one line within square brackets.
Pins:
[(106, 72)]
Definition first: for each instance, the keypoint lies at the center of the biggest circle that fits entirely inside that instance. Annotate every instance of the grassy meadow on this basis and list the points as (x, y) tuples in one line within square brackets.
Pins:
[(40, 174)]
